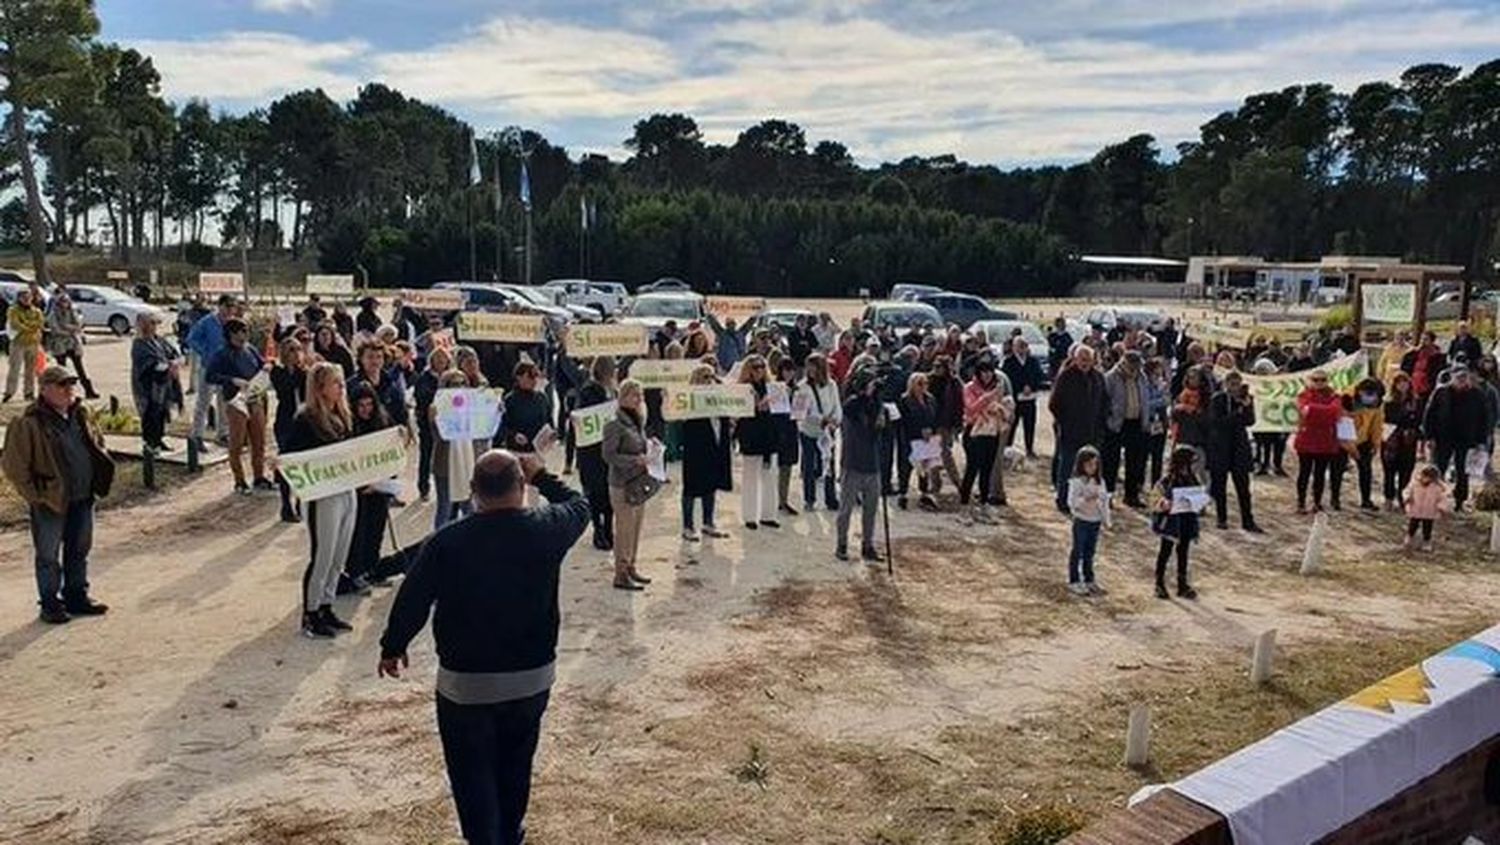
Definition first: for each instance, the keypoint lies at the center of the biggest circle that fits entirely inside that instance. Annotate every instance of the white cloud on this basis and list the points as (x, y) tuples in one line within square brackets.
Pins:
[(245, 67), (286, 7)]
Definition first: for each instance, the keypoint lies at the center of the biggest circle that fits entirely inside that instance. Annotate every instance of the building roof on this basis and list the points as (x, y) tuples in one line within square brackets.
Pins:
[(1131, 261)]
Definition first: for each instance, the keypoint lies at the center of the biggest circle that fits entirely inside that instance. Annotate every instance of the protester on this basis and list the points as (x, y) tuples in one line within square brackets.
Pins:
[(452, 461), (424, 393), (784, 430), (1125, 427), (24, 323), (371, 504), (1176, 523), (1425, 501), (1080, 409), (624, 451), (592, 471), (495, 630), (1158, 406), (818, 397), (1465, 346), (1026, 380), (205, 340), (860, 483), (1366, 407), (1189, 416), (329, 345), (367, 321), (842, 358), (64, 336), (383, 383), (55, 459), (343, 324), (1059, 345), (1424, 364), (1270, 446), (527, 411), (919, 426), (948, 408), (1231, 413), (1402, 434), (1457, 421), (758, 450), (984, 417), (289, 381), (706, 458), (1391, 357), (324, 419), (153, 380), (231, 370), (1317, 441), (1088, 502)]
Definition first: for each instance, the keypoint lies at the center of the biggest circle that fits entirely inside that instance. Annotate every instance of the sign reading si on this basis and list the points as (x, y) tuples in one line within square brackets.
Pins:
[(221, 282), (662, 373), (588, 423), (618, 341), (348, 465), (708, 401), (500, 328)]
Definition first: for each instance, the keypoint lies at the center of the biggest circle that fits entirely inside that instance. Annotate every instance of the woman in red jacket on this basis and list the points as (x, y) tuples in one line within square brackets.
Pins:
[(1317, 441)]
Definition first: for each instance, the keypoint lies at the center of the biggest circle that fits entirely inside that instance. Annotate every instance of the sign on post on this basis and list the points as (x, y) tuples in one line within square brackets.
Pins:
[(588, 423), (433, 300), (347, 465), (118, 275), (1392, 303), (663, 373), (221, 282), (467, 413), (706, 401), (330, 285), (619, 341), (500, 328), (740, 308)]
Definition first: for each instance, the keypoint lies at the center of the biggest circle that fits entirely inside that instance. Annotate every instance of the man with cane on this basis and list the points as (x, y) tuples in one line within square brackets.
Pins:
[(864, 417), (494, 579)]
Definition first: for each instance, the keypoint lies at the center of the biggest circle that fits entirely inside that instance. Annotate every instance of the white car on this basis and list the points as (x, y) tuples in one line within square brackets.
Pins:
[(608, 298), (653, 310), (99, 306)]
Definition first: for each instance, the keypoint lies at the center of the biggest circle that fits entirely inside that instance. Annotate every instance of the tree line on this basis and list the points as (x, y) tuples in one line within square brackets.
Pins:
[(387, 184)]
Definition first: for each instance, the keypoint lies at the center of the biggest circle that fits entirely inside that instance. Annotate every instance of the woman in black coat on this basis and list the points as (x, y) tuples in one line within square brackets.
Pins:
[(787, 443), (705, 465), (1231, 413), (758, 448), (593, 474), (289, 382)]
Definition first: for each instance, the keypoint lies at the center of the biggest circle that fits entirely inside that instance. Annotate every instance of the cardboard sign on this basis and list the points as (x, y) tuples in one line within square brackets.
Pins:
[(348, 465), (1276, 396), (740, 308), (618, 341), (433, 300), (500, 328), (708, 401), (221, 282), (118, 275), (663, 373), (467, 413), (1395, 303), (1233, 337), (330, 285), (588, 423)]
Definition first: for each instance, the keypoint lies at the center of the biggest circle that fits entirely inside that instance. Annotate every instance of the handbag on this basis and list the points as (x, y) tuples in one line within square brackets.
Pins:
[(640, 490)]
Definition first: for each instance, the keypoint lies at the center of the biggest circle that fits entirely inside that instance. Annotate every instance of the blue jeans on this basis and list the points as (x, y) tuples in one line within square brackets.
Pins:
[(687, 510), (1081, 558), (812, 470), (62, 544)]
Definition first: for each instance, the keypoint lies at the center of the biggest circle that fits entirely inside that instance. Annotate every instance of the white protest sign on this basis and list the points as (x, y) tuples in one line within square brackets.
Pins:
[(433, 300), (221, 282), (740, 308), (662, 373), (618, 341), (347, 465), (118, 275), (588, 423), (1394, 303), (707, 401), (330, 285), (467, 413), (500, 328), (778, 398)]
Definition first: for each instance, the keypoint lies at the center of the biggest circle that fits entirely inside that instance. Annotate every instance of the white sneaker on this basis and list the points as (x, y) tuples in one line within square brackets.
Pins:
[(1078, 589), (690, 535), (1427, 546)]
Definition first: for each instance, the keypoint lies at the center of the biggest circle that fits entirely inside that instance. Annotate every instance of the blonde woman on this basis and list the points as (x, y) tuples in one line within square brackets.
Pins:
[(624, 450), (323, 419), (757, 438)]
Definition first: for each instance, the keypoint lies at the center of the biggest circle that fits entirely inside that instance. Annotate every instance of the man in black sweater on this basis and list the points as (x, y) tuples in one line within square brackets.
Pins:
[(494, 578)]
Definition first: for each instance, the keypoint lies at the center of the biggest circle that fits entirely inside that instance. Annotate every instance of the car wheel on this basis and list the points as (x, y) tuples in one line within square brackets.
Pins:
[(119, 324)]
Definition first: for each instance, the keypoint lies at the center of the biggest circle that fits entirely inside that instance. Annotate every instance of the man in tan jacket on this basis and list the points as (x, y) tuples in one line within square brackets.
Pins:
[(55, 458)]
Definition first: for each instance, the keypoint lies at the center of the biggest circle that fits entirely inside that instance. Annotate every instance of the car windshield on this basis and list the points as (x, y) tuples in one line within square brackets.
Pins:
[(535, 297), (996, 331), (1138, 318), (673, 307), (906, 317)]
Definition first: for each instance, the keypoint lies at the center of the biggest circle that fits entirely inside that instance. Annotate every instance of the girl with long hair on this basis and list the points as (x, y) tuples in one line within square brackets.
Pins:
[(289, 382), (1177, 526), (1088, 501), (324, 419), (757, 438)]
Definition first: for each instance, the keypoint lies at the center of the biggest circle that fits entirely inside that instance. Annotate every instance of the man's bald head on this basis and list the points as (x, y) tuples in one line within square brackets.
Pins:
[(499, 482)]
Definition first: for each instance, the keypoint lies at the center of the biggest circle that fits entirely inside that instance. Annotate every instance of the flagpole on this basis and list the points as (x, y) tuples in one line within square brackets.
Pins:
[(499, 254)]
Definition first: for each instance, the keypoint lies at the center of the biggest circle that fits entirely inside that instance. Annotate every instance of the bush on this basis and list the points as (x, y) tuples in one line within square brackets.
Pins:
[(1047, 824), (1338, 317), (1488, 498), (198, 254)]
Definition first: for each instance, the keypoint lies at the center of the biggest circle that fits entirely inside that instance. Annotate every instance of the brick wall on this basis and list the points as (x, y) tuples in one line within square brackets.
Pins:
[(1460, 800)]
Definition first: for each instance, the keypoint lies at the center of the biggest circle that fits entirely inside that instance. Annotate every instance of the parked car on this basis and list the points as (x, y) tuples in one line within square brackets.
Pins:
[(783, 318), (666, 284), (900, 315), (962, 309), (653, 310), (906, 292), (608, 298), (552, 298), (491, 297), (1108, 318), (996, 332), (99, 306)]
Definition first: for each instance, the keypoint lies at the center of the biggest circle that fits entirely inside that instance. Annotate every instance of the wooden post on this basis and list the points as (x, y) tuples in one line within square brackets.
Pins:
[(1138, 736), (1495, 534), (1312, 556), (1260, 660)]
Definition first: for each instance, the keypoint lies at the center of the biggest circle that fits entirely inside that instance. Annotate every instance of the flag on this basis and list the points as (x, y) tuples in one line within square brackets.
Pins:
[(475, 177), (525, 186)]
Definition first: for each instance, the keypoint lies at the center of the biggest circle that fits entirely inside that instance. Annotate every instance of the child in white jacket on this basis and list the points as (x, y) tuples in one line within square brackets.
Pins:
[(1088, 501)]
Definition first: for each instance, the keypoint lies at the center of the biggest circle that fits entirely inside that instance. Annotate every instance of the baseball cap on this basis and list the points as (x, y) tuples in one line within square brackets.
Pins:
[(55, 374)]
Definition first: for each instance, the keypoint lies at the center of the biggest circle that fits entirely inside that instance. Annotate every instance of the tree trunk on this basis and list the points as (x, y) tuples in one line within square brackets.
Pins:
[(297, 231), (34, 219)]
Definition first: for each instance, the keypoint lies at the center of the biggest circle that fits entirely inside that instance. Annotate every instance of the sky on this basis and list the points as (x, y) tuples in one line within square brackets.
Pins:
[(1008, 82)]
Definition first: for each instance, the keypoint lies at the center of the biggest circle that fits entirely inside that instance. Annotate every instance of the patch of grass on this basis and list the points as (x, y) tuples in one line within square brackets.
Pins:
[(1046, 824), (756, 769)]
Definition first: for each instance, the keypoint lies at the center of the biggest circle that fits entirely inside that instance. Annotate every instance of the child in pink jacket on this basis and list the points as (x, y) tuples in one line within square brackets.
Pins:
[(1426, 499)]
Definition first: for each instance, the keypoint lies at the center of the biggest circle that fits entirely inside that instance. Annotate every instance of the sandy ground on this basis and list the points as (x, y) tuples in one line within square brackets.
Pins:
[(759, 691)]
